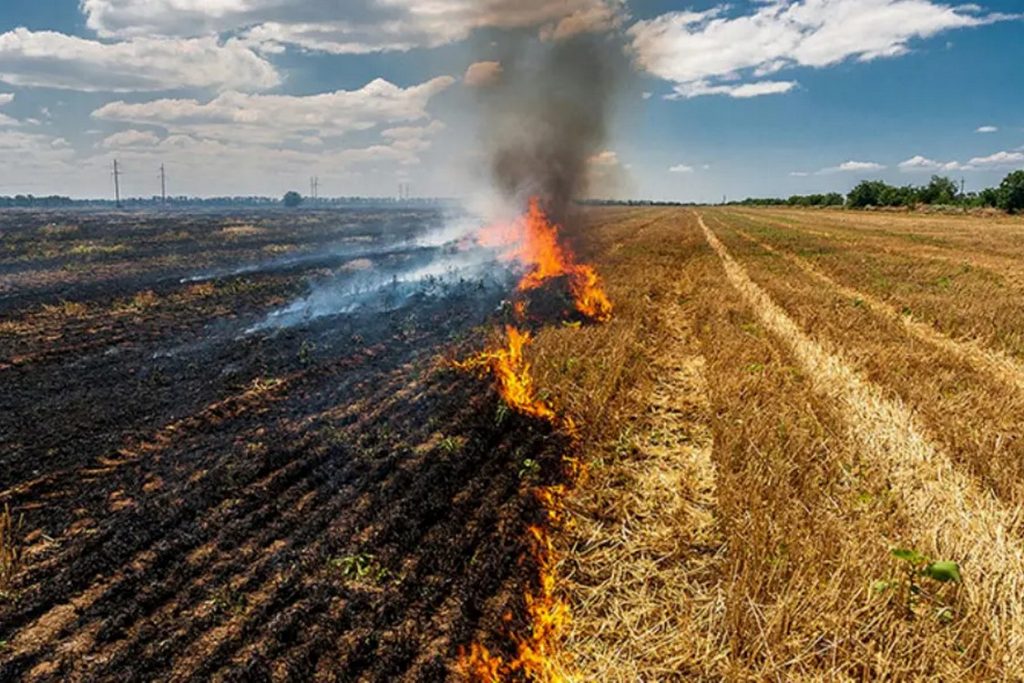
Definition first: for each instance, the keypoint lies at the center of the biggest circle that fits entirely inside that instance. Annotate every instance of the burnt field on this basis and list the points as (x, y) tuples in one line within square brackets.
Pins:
[(233, 448), (708, 444)]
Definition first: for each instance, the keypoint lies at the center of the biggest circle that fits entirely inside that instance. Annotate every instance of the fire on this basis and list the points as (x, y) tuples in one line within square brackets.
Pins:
[(534, 242), (512, 372), (548, 614)]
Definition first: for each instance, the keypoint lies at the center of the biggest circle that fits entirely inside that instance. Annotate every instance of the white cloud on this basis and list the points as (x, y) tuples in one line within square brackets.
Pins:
[(274, 119), (606, 159), (860, 166), (369, 25), (681, 168), (923, 164), (595, 17), (246, 143), (55, 60), (999, 160), (846, 167), (483, 74), (28, 155), (713, 51), (740, 91), (131, 138), (647, 95), (413, 138), (6, 98), (987, 129)]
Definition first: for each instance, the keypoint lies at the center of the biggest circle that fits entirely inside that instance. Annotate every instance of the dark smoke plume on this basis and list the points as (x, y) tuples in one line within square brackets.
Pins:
[(547, 117)]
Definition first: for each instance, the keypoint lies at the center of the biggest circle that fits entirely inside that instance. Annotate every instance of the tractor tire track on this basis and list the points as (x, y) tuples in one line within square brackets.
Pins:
[(951, 516), (664, 525), (954, 254), (990, 361)]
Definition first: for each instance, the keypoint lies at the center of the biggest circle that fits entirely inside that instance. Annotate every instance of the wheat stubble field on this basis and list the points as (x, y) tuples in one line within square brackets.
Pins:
[(799, 439), (832, 403)]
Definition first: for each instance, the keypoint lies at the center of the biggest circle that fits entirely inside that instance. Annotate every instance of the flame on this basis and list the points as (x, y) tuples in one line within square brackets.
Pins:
[(548, 614), (512, 372), (533, 241)]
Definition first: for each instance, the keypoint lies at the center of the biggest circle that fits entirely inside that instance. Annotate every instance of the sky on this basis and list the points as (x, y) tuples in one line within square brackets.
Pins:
[(746, 98)]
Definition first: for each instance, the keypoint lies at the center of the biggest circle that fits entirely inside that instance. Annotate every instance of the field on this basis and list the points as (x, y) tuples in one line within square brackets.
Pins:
[(217, 468)]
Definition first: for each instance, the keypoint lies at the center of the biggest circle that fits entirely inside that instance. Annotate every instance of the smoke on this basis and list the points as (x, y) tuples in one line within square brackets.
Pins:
[(547, 116)]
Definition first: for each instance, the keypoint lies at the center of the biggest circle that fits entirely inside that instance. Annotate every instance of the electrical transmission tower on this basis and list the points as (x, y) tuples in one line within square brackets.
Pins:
[(163, 185), (314, 188)]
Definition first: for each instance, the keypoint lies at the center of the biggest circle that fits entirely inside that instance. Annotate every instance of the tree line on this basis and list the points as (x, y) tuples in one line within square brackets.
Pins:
[(1008, 196)]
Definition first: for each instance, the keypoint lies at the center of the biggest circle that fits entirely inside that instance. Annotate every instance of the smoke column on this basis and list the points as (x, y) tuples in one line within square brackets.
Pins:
[(546, 117)]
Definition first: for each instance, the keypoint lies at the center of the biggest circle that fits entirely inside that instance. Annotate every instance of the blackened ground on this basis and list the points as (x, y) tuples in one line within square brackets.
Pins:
[(327, 501)]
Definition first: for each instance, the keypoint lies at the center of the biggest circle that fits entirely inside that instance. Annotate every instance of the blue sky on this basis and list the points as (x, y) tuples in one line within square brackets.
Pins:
[(751, 98)]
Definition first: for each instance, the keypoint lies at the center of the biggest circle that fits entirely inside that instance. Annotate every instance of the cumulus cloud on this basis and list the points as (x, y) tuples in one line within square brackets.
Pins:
[(717, 50), (369, 25), (987, 129), (606, 174), (999, 160), (27, 155), (483, 74), (923, 164), (739, 91), (131, 138), (6, 98), (274, 119), (606, 158), (55, 60), (855, 166), (413, 138), (595, 17), (845, 167), (681, 168)]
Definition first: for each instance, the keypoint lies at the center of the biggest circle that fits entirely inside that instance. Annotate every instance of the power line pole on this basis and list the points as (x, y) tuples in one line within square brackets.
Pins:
[(163, 185), (117, 184)]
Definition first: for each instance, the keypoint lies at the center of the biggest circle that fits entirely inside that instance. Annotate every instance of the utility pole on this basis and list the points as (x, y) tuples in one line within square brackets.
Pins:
[(163, 185), (117, 184)]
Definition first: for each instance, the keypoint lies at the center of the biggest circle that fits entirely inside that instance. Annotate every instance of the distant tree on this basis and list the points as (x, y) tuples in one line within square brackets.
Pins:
[(988, 197), (867, 193), (292, 199), (940, 190), (1011, 192)]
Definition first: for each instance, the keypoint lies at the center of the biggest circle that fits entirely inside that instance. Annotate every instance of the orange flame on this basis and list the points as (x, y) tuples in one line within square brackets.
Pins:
[(512, 372), (534, 242), (548, 614)]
